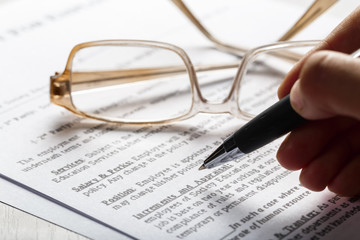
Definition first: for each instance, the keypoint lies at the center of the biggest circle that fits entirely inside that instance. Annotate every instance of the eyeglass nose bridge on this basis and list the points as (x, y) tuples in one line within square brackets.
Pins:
[(227, 105)]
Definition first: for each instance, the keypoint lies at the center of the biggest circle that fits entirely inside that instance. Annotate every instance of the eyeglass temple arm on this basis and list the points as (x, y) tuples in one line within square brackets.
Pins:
[(313, 12), (89, 80), (224, 46)]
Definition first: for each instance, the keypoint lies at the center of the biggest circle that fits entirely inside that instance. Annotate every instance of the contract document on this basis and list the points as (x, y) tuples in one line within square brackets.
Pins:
[(143, 182)]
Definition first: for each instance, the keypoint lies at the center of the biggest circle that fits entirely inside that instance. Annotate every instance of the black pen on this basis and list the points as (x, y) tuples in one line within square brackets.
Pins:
[(269, 125)]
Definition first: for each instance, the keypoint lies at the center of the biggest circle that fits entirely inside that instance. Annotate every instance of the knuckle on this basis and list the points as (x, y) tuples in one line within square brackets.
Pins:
[(317, 66), (316, 72)]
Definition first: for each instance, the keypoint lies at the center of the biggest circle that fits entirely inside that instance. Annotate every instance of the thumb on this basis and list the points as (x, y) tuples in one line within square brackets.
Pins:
[(329, 85)]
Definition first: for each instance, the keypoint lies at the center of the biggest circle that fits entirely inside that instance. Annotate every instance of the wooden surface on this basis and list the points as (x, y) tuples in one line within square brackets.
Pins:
[(18, 225)]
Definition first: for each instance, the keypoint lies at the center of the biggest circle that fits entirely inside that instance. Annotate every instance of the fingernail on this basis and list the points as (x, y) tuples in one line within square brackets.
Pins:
[(296, 99)]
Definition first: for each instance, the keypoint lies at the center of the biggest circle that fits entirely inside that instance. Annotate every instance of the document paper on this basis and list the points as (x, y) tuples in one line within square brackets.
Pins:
[(143, 182)]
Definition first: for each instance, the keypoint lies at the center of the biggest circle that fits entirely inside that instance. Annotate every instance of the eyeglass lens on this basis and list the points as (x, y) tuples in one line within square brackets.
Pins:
[(263, 76), (137, 83)]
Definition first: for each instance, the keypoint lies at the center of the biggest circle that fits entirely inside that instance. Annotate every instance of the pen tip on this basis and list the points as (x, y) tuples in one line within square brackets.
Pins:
[(202, 167)]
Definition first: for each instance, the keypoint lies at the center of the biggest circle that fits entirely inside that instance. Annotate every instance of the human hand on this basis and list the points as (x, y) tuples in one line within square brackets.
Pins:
[(325, 86)]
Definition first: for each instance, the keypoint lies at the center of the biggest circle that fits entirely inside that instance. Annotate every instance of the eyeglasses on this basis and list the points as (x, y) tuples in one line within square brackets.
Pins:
[(147, 82)]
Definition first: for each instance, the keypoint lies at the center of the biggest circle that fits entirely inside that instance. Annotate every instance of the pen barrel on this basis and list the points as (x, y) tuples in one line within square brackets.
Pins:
[(269, 125)]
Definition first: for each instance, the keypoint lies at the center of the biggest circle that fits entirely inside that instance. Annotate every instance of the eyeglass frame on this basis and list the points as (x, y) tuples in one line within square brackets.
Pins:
[(60, 84)]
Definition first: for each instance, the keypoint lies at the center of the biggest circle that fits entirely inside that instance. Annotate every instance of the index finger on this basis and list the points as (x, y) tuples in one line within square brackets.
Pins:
[(344, 38)]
